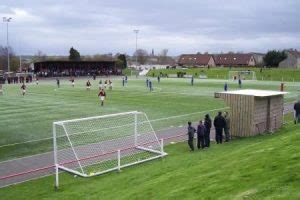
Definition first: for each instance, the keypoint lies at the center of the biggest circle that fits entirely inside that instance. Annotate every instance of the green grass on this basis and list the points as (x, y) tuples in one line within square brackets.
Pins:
[(130, 72), (290, 75), (261, 167), (30, 117)]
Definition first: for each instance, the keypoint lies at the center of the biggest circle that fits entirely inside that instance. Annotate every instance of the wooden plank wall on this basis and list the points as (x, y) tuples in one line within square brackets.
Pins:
[(276, 112), (241, 113), (260, 116)]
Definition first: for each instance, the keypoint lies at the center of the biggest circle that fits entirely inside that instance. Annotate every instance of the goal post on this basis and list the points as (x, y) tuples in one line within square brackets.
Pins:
[(95, 145), (245, 75)]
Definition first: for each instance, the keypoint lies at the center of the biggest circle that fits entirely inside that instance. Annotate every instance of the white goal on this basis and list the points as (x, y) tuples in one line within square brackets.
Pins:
[(244, 75), (92, 146)]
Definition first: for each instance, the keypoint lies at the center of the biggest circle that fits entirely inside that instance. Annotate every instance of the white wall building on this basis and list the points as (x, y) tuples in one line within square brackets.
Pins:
[(292, 60)]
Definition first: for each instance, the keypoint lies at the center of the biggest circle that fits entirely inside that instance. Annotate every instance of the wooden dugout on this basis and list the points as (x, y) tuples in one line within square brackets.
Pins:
[(253, 112)]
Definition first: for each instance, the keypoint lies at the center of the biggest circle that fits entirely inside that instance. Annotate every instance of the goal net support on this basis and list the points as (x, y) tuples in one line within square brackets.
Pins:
[(244, 75), (92, 146)]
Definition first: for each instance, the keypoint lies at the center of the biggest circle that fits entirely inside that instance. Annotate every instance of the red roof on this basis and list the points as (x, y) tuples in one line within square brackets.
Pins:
[(232, 59), (295, 53), (194, 59)]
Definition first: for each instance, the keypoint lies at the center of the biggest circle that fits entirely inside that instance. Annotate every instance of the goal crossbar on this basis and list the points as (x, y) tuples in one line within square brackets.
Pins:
[(95, 117), (243, 74)]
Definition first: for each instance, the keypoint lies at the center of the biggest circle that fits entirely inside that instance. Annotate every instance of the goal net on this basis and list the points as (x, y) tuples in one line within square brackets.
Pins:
[(92, 146), (244, 75)]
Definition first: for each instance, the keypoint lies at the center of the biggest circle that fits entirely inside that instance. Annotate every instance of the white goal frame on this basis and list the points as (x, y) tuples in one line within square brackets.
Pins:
[(140, 145), (241, 73)]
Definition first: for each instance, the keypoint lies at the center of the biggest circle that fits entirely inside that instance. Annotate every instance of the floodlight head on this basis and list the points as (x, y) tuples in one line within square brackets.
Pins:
[(5, 19), (136, 30)]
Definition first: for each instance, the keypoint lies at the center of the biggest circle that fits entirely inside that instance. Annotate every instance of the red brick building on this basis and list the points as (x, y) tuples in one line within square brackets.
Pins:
[(197, 60), (234, 60)]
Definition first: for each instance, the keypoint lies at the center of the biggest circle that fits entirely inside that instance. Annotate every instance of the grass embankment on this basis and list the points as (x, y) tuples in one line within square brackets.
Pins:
[(222, 73), (261, 167)]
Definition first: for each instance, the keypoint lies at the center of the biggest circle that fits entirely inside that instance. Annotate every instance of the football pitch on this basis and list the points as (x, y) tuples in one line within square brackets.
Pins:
[(26, 121)]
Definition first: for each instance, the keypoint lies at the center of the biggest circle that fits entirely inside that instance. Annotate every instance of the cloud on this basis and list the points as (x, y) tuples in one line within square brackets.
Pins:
[(181, 26)]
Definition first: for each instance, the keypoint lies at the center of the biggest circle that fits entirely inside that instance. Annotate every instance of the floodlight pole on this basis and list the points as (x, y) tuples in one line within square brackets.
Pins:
[(7, 20), (20, 63), (136, 31)]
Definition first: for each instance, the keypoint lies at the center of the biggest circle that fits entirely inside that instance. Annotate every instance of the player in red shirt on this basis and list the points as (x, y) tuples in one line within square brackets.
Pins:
[(88, 85), (23, 88), (102, 96)]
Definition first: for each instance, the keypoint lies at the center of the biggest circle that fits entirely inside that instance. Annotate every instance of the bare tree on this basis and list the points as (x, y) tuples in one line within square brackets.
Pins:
[(39, 56), (164, 52), (142, 56), (163, 56), (14, 60)]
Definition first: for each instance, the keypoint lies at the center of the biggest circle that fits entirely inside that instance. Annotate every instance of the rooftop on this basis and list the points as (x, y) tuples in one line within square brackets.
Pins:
[(232, 59), (197, 59), (256, 93)]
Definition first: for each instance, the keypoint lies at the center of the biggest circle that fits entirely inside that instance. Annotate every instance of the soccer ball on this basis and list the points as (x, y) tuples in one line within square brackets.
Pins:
[(91, 173), (75, 176)]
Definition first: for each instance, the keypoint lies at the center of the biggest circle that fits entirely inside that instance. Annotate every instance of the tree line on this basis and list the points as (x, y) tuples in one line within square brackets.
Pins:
[(273, 58), (14, 60)]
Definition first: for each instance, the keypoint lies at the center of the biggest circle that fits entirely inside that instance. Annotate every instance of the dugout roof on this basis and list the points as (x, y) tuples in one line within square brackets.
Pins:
[(255, 93)]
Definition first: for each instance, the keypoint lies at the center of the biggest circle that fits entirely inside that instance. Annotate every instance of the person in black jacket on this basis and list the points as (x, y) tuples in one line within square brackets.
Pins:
[(297, 112), (200, 135), (219, 123), (191, 132), (207, 124)]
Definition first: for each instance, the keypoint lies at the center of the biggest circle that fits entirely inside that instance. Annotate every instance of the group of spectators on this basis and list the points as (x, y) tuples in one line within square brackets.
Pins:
[(221, 122), (77, 72), (21, 79)]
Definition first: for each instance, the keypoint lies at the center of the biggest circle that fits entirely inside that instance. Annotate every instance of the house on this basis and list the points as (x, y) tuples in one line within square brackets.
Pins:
[(200, 60), (259, 59), (234, 59), (292, 60)]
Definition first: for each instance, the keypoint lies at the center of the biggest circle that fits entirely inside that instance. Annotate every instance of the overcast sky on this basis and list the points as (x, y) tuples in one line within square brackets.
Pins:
[(182, 26)]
